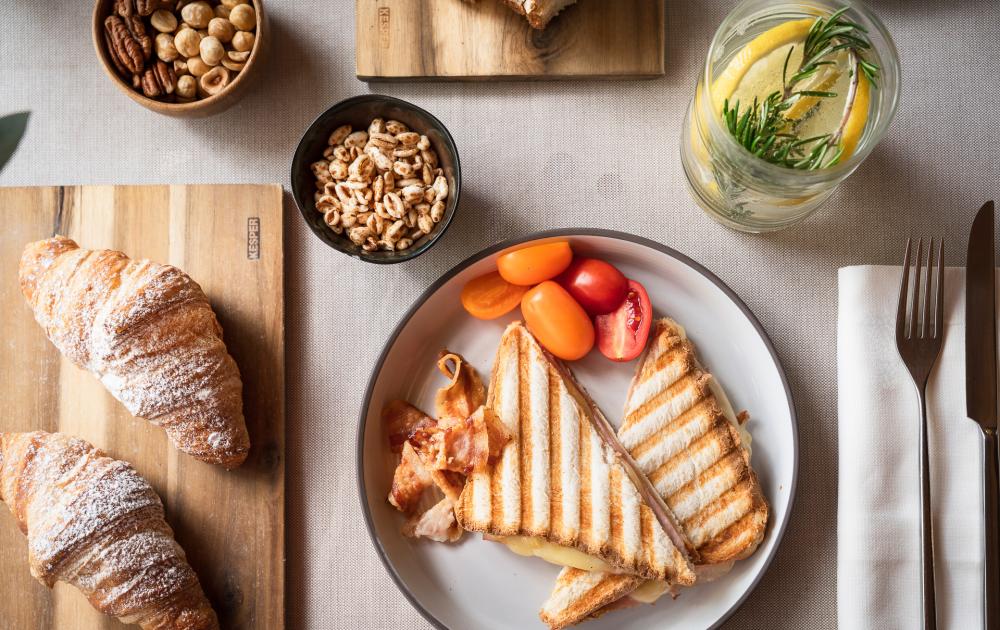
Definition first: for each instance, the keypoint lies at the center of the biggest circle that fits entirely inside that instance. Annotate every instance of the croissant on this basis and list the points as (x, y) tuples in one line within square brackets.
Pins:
[(147, 331), (93, 522)]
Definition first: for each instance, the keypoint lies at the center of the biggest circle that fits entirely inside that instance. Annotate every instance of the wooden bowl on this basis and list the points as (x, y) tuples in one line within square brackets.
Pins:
[(194, 109)]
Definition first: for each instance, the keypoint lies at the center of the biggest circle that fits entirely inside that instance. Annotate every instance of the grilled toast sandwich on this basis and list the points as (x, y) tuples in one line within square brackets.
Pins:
[(681, 431), (562, 488)]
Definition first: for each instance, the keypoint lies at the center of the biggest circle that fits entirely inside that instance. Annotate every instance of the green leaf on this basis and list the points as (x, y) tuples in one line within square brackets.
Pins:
[(784, 69), (11, 131), (763, 128)]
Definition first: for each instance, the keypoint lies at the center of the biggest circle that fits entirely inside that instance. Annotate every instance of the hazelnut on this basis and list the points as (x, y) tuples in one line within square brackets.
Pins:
[(197, 14), (163, 21), (222, 11), (235, 66), (165, 48), (243, 17), (238, 56), (180, 67), (243, 41), (222, 29), (197, 66), (213, 81), (212, 50), (230, 4), (187, 42), (187, 86)]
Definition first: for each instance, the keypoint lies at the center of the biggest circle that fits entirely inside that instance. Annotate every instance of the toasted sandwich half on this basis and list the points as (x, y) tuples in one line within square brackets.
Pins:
[(561, 488), (681, 431)]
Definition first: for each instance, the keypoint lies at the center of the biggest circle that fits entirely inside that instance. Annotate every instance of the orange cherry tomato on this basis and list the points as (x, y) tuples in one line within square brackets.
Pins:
[(558, 321), (534, 264), (490, 296)]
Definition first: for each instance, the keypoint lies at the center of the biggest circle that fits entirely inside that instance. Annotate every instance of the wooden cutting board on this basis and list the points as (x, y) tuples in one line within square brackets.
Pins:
[(483, 39), (231, 524)]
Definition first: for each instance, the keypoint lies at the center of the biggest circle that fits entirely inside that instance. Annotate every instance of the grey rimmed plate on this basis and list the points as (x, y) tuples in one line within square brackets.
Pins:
[(479, 584)]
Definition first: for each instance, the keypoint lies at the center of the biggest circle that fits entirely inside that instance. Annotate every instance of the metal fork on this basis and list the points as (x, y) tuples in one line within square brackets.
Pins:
[(918, 340)]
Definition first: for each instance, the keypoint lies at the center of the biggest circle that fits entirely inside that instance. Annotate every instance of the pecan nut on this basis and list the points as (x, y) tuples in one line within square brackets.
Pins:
[(159, 80), (138, 30), (148, 7), (119, 66), (166, 76), (124, 8), (123, 46), (150, 86)]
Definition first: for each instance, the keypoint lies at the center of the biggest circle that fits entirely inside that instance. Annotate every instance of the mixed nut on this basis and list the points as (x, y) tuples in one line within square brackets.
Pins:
[(382, 187), (180, 50)]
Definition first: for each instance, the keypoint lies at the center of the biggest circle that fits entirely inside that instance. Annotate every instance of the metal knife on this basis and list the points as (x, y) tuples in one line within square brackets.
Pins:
[(981, 389)]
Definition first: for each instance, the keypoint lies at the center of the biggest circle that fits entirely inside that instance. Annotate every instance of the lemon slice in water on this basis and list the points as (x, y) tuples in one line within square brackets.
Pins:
[(858, 119), (767, 42), (757, 71)]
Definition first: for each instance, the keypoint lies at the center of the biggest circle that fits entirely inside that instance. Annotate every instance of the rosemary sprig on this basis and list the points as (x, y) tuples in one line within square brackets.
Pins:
[(766, 131)]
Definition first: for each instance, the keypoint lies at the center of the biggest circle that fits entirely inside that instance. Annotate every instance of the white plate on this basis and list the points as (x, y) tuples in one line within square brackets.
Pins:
[(478, 584)]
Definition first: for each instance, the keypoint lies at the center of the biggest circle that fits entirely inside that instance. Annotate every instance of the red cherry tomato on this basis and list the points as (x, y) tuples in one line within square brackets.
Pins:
[(490, 296), (530, 265), (622, 334), (558, 322), (596, 285)]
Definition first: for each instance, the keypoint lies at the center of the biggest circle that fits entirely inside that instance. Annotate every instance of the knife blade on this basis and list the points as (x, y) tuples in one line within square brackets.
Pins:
[(980, 322), (981, 392)]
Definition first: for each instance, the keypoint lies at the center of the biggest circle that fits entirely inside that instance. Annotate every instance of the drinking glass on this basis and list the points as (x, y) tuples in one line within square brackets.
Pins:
[(748, 193)]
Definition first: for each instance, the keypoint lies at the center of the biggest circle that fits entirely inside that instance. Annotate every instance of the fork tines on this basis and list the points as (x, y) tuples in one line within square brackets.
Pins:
[(917, 291)]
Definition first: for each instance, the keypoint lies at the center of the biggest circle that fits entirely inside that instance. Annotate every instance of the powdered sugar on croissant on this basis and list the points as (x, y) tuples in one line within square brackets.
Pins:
[(147, 331), (93, 522)]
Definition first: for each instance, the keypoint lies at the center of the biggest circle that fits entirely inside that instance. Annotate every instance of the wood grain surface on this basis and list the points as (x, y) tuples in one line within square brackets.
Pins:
[(231, 524), (483, 39)]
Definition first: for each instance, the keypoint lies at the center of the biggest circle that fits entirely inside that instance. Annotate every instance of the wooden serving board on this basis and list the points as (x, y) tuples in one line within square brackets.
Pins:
[(483, 39), (231, 524)]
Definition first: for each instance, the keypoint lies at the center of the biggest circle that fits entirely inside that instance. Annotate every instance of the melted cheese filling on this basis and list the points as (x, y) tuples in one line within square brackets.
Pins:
[(556, 554), (649, 592)]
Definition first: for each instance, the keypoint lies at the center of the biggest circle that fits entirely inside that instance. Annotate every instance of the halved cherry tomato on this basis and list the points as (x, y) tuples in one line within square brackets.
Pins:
[(596, 285), (622, 334), (558, 321), (490, 296), (534, 264)]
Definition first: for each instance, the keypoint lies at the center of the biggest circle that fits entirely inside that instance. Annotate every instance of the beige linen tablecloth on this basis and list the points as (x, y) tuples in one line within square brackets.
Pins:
[(534, 156)]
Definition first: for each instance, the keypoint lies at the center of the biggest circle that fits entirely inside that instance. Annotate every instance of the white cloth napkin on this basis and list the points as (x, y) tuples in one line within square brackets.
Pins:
[(878, 545)]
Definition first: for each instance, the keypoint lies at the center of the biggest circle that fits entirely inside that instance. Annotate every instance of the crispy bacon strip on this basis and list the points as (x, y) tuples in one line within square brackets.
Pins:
[(464, 392), (497, 435), (465, 446), (409, 481), (438, 523), (449, 483), (401, 420), (466, 438)]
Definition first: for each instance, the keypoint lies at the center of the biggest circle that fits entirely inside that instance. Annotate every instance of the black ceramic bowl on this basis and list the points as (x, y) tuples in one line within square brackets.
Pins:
[(359, 112)]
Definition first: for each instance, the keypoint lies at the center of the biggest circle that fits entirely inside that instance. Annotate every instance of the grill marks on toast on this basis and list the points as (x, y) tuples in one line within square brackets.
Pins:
[(578, 594), (556, 479), (681, 439), (586, 489), (675, 433), (534, 394)]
